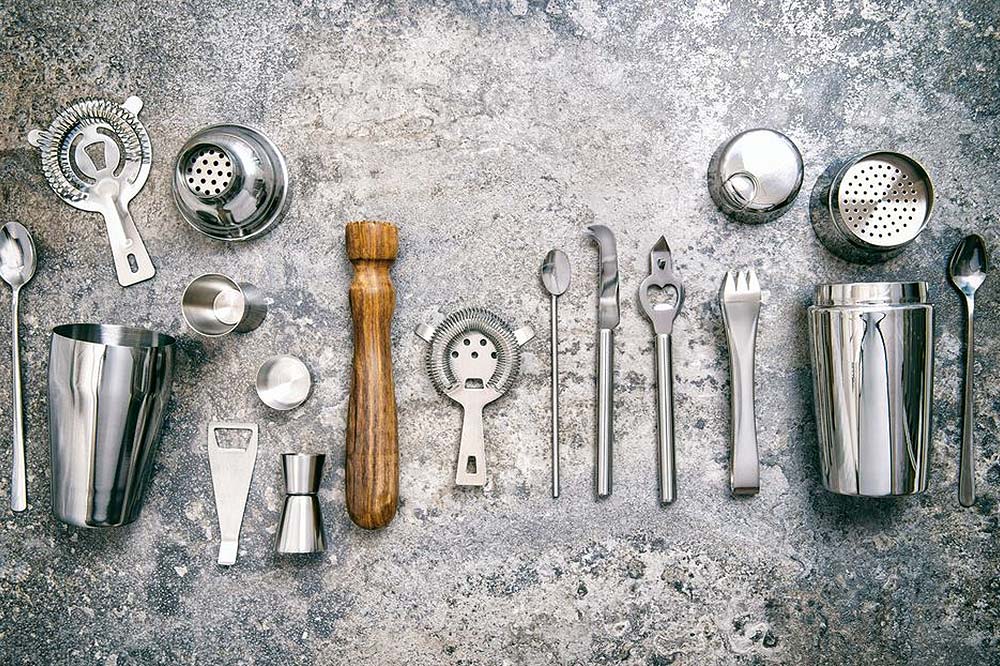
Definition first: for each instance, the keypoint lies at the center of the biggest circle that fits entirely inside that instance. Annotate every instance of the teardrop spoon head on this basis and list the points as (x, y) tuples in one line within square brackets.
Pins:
[(969, 264), (17, 255), (556, 272)]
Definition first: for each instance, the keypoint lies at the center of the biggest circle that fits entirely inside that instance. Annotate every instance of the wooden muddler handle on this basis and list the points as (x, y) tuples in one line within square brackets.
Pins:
[(372, 468)]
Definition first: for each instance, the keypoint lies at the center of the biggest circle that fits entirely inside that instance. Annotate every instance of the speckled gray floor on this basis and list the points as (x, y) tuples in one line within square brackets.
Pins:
[(491, 132)]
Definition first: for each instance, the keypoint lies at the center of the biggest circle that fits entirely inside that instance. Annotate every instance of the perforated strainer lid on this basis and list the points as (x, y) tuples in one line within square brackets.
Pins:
[(882, 200), (231, 183)]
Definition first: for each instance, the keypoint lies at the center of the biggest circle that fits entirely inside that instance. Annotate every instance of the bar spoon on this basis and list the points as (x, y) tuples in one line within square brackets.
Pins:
[(967, 271), (555, 275), (17, 266)]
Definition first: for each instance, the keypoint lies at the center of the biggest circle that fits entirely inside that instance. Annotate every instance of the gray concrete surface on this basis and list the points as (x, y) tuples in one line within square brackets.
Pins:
[(491, 132)]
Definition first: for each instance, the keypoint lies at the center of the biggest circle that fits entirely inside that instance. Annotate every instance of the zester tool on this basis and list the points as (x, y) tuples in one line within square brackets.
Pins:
[(608, 317), (473, 358), (96, 156), (662, 314)]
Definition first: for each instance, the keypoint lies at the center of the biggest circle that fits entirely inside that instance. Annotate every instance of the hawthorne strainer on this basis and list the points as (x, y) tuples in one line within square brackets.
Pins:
[(875, 205), (96, 156), (473, 358)]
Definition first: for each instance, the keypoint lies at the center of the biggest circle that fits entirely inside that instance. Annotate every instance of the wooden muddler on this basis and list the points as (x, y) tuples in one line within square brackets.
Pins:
[(372, 469)]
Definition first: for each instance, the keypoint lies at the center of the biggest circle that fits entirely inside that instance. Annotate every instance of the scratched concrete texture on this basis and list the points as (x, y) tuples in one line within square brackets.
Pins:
[(491, 132)]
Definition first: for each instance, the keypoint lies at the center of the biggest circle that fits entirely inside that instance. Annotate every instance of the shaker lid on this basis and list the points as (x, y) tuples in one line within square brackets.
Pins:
[(756, 175), (871, 293)]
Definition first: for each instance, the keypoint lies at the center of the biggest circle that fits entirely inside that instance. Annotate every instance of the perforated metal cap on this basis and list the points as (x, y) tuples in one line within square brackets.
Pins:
[(882, 199)]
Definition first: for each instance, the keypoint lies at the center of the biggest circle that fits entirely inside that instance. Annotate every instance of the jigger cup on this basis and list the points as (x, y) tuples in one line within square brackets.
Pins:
[(108, 390), (215, 305)]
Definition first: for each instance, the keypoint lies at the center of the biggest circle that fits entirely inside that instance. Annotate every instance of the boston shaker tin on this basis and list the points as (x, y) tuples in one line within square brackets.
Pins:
[(872, 347)]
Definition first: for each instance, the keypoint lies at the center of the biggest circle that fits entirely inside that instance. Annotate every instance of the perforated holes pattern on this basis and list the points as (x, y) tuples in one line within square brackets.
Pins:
[(209, 172), (882, 202)]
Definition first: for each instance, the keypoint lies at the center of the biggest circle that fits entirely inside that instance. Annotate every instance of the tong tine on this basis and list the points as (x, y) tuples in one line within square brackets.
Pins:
[(741, 286)]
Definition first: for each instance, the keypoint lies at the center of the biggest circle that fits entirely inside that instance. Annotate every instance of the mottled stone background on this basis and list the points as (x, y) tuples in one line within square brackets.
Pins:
[(491, 132)]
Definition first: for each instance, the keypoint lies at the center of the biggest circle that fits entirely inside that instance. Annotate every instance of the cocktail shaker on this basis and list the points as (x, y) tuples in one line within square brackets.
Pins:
[(108, 391), (872, 347)]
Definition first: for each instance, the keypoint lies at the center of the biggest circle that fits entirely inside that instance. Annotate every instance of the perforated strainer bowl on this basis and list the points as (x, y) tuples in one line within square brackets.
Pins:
[(231, 183), (874, 206)]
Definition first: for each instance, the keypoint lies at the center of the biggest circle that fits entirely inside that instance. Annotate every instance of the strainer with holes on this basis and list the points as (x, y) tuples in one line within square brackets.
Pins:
[(473, 357), (231, 183), (875, 205), (96, 156)]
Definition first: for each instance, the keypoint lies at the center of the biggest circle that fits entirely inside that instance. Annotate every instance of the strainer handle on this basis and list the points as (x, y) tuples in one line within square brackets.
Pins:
[(132, 262)]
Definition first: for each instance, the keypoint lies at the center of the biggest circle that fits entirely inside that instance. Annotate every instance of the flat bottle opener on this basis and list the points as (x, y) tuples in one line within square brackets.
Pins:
[(232, 471)]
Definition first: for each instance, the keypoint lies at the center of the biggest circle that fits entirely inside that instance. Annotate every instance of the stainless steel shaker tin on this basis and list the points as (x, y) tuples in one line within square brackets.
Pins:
[(872, 348), (108, 390)]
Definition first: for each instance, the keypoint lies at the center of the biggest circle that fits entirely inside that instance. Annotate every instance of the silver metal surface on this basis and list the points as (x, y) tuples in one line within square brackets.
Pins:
[(300, 528), (283, 382), (967, 271), (232, 473), (108, 391), (739, 300), (555, 274), (872, 348), (231, 183), (473, 358), (214, 305), (662, 314), (608, 316), (96, 156), (755, 176), (17, 267), (875, 206)]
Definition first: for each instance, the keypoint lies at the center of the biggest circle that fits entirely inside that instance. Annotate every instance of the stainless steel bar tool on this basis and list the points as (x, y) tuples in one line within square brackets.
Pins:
[(231, 183), (232, 472), (555, 275), (214, 305), (17, 267), (473, 357), (608, 316), (870, 207), (661, 276), (967, 272), (872, 348), (96, 156), (755, 176), (740, 303), (283, 382), (300, 528), (108, 391)]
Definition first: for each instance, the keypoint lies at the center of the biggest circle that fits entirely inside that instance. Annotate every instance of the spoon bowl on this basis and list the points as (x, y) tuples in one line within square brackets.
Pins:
[(556, 272), (17, 255), (969, 264)]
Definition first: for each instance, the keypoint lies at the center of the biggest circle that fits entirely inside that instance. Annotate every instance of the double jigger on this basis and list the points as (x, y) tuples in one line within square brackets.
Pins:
[(300, 528)]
